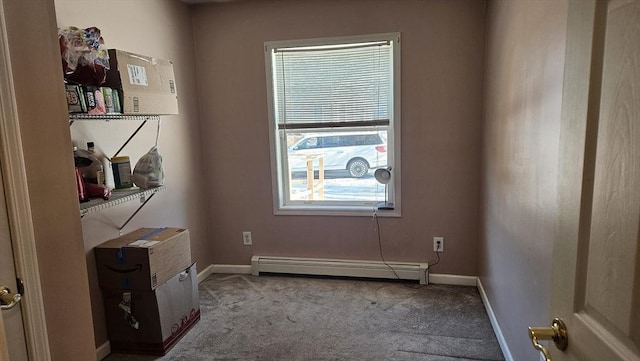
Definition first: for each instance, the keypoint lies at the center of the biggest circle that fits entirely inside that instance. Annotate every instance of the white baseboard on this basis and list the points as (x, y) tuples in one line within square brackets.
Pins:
[(206, 272), (494, 323), (103, 351), (223, 268), (339, 267), (445, 279)]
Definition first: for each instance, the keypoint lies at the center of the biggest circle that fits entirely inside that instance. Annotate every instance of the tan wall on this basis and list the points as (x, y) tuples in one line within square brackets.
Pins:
[(523, 91), (161, 29), (31, 30), (442, 68)]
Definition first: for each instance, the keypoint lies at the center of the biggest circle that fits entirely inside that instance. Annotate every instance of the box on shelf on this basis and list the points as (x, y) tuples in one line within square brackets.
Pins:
[(143, 259), (145, 85), (75, 98), (151, 322), (84, 99)]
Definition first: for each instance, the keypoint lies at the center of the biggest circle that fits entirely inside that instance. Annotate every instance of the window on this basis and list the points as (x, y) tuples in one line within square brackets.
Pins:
[(334, 112)]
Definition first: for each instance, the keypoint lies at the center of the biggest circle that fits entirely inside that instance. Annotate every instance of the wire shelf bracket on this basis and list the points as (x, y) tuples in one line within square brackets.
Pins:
[(109, 117), (121, 196)]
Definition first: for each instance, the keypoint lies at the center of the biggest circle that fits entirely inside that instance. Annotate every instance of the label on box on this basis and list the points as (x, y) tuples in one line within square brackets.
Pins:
[(137, 75), (143, 243)]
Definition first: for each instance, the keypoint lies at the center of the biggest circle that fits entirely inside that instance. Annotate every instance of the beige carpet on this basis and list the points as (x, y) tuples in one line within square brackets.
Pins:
[(301, 318)]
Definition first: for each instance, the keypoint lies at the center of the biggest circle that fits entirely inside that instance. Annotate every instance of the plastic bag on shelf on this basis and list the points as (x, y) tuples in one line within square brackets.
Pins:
[(85, 59), (148, 171)]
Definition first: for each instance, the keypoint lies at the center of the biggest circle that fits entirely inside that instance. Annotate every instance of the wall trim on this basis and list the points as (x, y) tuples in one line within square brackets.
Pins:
[(223, 268), (19, 208), (103, 350), (456, 280), (494, 323), (206, 272)]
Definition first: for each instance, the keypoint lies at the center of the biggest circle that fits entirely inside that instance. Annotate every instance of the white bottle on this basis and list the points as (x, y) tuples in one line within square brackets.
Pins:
[(109, 182)]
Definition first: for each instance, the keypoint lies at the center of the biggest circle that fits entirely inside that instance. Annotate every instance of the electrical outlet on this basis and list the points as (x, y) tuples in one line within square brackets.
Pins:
[(246, 238), (438, 244)]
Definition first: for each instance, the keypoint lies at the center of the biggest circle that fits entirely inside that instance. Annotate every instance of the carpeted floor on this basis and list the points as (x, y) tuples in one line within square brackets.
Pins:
[(301, 318)]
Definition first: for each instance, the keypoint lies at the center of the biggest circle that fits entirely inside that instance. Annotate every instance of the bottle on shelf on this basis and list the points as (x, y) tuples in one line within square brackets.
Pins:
[(95, 172), (121, 166), (108, 173), (102, 168), (80, 184), (84, 161)]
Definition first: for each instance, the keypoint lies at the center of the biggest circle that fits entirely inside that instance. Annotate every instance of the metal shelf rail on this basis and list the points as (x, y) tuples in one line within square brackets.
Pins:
[(108, 117), (119, 196)]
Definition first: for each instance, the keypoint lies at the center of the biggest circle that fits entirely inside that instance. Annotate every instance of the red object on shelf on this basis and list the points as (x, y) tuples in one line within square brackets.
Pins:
[(82, 187)]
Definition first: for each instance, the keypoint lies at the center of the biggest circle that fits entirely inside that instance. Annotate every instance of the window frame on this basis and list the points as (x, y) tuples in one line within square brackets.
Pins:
[(336, 208)]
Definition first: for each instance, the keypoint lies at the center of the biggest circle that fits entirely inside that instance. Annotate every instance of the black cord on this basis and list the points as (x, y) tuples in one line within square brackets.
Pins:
[(438, 261), (375, 216), (429, 266)]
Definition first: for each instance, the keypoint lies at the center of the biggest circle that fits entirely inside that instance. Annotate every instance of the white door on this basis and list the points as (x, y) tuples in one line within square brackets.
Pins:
[(596, 266), (11, 318)]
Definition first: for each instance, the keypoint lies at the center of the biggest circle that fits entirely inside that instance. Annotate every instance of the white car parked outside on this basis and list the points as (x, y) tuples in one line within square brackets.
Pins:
[(356, 152)]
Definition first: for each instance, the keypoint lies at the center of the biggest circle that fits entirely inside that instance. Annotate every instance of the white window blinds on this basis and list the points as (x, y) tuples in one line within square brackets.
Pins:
[(337, 86)]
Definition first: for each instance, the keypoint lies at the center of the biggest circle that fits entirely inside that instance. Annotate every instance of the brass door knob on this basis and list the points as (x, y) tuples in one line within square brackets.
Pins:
[(557, 332), (8, 300)]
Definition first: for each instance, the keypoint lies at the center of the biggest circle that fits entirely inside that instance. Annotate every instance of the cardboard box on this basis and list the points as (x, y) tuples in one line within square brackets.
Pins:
[(143, 259), (145, 85), (162, 316)]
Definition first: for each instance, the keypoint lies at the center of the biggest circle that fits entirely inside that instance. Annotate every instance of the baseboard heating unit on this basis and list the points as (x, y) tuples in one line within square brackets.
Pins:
[(339, 267)]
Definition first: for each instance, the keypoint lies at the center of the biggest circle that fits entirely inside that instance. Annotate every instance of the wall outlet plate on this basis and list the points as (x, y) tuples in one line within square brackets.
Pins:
[(438, 244), (246, 238)]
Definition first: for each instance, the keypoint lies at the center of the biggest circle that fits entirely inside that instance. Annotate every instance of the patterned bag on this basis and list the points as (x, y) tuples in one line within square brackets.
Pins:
[(148, 171)]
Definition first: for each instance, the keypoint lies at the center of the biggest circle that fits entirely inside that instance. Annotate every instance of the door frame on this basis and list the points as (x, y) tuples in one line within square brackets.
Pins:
[(19, 208)]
